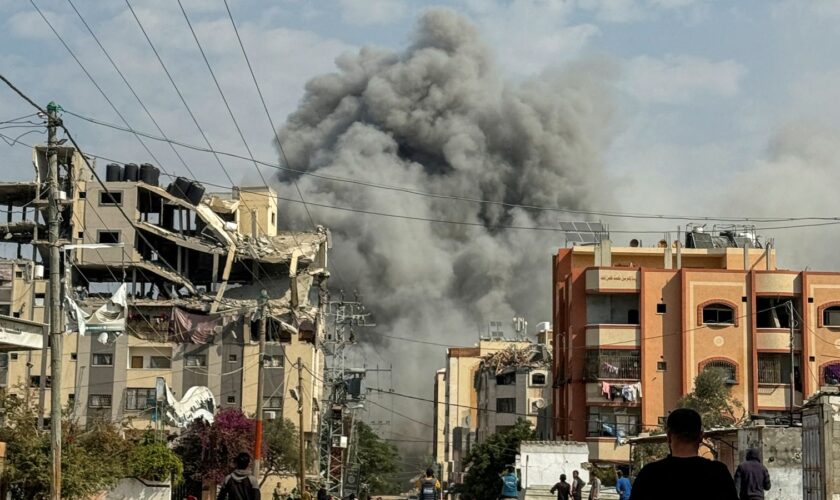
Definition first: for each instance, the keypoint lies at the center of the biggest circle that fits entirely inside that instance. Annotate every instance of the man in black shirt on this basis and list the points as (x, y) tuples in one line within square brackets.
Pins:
[(563, 489), (684, 474)]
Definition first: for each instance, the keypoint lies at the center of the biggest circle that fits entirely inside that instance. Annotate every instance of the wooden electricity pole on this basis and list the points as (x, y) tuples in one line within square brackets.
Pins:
[(55, 304)]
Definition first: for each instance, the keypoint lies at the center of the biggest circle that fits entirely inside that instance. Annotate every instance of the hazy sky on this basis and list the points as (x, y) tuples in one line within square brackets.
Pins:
[(704, 90), (718, 108)]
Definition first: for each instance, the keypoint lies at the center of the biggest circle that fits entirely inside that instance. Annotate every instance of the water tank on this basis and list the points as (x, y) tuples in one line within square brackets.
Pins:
[(131, 172), (149, 174), (195, 192), (179, 188), (38, 271), (113, 173), (543, 326)]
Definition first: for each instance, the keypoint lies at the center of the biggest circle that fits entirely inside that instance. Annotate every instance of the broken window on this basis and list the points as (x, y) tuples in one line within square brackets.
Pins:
[(773, 312), (508, 378), (612, 308), (195, 360), (275, 402), (108, 237), (101, 359), (107, 198), (273, 361), (39, 299)]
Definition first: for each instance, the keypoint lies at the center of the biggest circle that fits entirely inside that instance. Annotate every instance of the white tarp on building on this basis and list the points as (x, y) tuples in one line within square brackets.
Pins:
[(198, 402), (108, 318)]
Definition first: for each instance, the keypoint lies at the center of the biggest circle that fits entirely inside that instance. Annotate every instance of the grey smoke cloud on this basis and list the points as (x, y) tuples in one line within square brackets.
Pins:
[(440, 117)]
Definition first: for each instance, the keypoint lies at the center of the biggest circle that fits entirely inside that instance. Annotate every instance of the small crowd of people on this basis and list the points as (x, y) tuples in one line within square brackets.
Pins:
[(683, 474)]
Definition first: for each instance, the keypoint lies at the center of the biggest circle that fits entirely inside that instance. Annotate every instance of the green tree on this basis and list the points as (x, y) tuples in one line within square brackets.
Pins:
[(281, 454), (713, 400), (488, 459), (93, 460), (378, 461)]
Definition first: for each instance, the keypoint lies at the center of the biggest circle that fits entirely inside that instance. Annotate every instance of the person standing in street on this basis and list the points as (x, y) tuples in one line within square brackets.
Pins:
[(562, 488), (577, 486), (240, 484), (428, 488), (684, 474), (510, 484), (751, 477), (622, 486), (594, 487), (322, 493), (279, 493)]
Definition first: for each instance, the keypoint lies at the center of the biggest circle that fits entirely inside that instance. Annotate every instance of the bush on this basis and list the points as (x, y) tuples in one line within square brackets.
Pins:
[(156, 462)]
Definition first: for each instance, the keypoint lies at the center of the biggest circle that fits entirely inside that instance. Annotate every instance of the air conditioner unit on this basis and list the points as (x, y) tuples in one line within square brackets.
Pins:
[(339, 441), (270, 415), (536, 404)]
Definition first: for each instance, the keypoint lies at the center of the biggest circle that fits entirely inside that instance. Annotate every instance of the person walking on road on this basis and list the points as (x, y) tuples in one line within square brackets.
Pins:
[(577, 486), (240, 484), (510, 484), (594, 487), (684, 474), (752, 478), (428, 488), (562, 488), (622, 486)]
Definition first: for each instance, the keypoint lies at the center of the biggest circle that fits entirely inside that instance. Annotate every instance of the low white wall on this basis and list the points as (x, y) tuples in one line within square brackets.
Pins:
[(542, 462), (135, 489)]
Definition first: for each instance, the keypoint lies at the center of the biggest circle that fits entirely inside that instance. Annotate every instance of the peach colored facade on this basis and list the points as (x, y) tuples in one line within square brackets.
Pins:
[(643, 320)]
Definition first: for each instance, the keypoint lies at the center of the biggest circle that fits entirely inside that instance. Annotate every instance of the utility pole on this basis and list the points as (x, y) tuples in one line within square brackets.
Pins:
[(792, 382), (258, 428), (301, 443), (55, 304)]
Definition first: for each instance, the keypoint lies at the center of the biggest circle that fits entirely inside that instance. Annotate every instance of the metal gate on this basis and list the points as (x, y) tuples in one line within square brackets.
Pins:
[(812, 454)]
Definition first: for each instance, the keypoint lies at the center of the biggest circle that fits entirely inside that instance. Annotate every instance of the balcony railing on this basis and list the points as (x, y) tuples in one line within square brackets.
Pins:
[(621, 364)]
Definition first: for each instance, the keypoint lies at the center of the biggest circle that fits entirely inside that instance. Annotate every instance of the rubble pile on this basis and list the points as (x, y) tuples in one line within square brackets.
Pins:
[(531, 356)]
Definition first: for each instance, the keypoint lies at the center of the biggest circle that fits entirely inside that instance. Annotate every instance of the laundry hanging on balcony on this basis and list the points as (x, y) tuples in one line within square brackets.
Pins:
[(108, 319)]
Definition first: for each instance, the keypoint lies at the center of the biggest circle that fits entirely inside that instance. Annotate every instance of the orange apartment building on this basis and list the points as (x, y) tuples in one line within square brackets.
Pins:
[(643, 322)]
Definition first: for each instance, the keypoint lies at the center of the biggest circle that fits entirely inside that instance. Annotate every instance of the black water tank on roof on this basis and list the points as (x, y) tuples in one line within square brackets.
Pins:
[(181, 186), (195, 192), (149, 174), (131, 172), (113, 172)]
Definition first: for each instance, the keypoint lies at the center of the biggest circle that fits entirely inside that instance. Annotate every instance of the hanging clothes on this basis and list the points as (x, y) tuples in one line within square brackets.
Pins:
[(605, 389), (610, 369), (638, 388), (194, 328), (628, 392), (615, 391)]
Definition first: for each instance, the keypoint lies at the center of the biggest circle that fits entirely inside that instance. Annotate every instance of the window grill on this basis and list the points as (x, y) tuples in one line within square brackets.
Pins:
[(729, 369), (622, 364)]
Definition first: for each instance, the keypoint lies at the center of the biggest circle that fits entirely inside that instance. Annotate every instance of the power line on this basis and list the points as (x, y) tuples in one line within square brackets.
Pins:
[(417, 192), (130, 87), (93, 81)]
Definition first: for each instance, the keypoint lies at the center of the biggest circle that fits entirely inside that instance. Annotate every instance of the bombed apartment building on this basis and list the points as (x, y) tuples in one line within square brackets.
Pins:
[(191, 272)]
